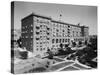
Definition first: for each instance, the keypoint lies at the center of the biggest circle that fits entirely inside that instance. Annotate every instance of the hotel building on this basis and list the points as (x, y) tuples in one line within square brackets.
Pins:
[(40, 33)]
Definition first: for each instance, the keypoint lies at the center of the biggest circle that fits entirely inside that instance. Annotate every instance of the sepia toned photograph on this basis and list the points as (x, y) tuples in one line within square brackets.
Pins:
[(49, 37)]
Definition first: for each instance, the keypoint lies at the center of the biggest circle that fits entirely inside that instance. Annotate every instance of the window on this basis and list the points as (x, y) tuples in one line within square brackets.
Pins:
[(63, 40), (73, 33), (68, 40), (40, 36), (74, 39), (56, 40), (48, 28), (40, 42), (53, 40), (53, 45), (37, 42), (48, 38), (47, 33), (57, 34), (40, 46), (37, 20), (68, 31), (77, 34), (41, 49), (37, 49), (68, 26), (47, 22), (63, 30), (57, 30), (60, 40), (63, 34), (40, 25), (53, 35)]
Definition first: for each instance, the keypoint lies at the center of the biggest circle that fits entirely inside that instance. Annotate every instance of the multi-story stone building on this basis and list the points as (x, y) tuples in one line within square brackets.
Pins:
[(40, 33), (36, 33)]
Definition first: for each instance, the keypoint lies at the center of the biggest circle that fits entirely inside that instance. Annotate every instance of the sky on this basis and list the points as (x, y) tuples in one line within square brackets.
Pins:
[(72, 14)]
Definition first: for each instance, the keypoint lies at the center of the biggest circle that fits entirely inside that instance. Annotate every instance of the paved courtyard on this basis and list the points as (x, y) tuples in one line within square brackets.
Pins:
[(41, 65), (68, 65)]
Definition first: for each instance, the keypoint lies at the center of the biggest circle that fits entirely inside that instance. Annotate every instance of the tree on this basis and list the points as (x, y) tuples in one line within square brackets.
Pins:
[(19, 42)]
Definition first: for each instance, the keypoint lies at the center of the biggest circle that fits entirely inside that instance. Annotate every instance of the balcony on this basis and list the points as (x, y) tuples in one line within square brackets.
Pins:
[(37, 27), (37, 33)]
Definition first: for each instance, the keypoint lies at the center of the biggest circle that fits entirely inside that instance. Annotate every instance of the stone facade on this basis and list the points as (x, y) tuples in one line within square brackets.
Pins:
[(40, 33)]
